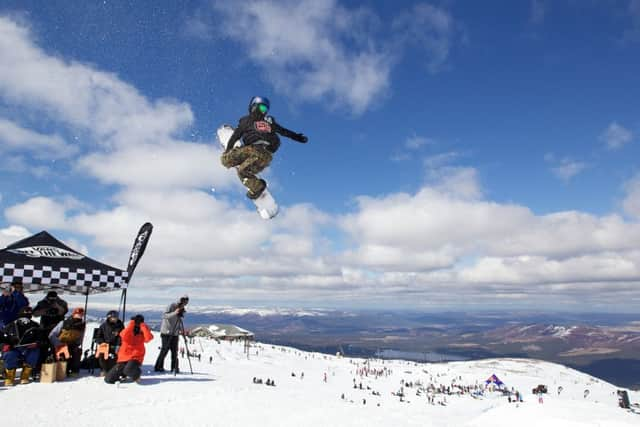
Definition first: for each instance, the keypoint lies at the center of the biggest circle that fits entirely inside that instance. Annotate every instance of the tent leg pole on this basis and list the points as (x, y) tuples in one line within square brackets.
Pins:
[(86, 303), (124, 304)]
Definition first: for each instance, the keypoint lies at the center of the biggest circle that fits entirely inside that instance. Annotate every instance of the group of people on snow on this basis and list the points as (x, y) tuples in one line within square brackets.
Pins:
[(27, 344)]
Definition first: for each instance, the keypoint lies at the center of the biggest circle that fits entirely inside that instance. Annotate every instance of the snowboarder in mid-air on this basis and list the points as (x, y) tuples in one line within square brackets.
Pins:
[(259, 134)]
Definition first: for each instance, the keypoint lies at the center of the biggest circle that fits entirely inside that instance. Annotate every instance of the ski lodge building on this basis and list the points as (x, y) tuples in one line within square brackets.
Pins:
[(222, 332)]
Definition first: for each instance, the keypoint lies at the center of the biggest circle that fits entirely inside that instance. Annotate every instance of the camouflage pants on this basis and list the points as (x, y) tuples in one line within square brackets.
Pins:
[(249, 161)]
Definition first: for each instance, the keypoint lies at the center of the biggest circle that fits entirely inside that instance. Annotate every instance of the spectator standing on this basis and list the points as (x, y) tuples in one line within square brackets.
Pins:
[(170, 330), (11, 301)]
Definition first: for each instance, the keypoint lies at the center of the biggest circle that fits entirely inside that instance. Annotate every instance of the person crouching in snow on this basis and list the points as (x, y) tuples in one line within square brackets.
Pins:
[(131, 353)]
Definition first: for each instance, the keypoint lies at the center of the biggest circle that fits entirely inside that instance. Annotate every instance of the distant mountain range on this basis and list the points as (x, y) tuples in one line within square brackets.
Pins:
[(605, 345)]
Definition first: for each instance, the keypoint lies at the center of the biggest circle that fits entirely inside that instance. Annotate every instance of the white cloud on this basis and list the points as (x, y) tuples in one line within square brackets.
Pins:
[(426, 246), (567, 169), (633, 33), (12, 234), (616, 136), (432, 229), (160, 165), (197, 27), (38, 213), (431, 28), (320, 50), (19, 164), (14, 137), (538, 11), (302, 46), (631, 202), (79, 96), (415, 142), (440, 160)]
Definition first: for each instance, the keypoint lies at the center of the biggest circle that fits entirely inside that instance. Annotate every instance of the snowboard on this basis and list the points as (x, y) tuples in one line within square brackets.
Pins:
[(265, 203)]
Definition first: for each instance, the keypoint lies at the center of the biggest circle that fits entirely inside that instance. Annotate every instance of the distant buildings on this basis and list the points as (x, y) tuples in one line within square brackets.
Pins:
[(222, 332)]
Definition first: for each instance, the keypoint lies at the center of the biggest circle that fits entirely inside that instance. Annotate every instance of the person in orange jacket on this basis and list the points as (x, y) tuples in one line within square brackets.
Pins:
[(131, 353)]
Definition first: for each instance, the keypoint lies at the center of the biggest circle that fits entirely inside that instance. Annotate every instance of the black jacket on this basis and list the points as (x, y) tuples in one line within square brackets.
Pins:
[(51, 312), (21, 332), (257, 127), (109, 333)]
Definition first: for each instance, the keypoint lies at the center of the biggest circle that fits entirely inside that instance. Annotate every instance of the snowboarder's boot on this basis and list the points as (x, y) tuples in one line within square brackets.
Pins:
[(25, 376), (9, 377), (255, 186)]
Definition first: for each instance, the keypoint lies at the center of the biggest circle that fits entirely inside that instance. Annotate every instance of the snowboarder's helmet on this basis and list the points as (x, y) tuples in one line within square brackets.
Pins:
[(260, 103)]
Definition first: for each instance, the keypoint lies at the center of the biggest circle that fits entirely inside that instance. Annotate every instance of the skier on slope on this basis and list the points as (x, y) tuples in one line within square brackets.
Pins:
[(259, 133)]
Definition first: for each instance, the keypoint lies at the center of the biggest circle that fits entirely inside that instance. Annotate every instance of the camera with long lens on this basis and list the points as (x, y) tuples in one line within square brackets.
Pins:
[(181, 306), (181, 310)]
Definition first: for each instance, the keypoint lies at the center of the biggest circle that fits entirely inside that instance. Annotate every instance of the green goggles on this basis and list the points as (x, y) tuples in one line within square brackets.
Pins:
[(263, 108)]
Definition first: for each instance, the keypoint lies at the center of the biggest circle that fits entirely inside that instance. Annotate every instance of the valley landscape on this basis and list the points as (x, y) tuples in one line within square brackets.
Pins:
[(604, 345)]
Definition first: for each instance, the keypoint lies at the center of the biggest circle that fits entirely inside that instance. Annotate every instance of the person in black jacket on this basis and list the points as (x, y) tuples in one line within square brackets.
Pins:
[(11, 301), (259, 134), (22, 338), (109, 333), (51, 310)]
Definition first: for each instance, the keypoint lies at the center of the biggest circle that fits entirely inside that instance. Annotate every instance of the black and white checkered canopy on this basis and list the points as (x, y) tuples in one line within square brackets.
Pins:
[(41, 262)]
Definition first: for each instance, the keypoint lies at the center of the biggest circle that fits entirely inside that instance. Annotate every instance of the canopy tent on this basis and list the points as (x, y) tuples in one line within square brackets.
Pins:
[(493, 379), (41, 262)]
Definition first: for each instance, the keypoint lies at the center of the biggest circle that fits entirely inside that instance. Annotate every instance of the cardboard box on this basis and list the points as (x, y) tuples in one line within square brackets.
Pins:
[(48, 373), (61, 370)]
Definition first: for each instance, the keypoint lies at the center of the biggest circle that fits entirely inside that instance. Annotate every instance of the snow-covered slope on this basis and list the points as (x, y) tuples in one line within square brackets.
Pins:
[(222, 393)]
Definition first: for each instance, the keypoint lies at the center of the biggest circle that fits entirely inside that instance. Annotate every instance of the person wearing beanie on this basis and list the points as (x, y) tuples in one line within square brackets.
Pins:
[(70, 333), (51, 310), (170, 330), (22, 339), (131, 352), (109, 333)]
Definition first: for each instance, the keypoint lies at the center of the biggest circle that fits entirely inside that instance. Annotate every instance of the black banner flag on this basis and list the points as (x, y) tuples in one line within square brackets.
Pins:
[(139, 245)]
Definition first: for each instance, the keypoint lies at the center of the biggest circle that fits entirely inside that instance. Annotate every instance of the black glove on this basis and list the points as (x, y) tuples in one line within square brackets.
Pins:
[(300, 137)]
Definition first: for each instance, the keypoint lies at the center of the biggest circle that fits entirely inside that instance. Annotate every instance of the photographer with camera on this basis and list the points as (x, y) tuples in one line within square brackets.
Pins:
[(170, 331), (131, 352)]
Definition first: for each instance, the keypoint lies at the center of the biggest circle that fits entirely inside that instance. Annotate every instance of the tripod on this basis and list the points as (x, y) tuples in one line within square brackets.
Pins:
[(180, 324)]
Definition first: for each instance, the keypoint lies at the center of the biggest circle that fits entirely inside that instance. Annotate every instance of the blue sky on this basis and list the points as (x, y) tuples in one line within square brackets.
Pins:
[(460, 155)]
